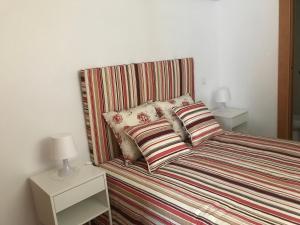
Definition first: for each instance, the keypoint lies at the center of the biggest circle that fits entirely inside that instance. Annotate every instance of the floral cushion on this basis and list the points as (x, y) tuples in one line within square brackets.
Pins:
[(165, 109), (198, 122), (119, 120), (158, 143)]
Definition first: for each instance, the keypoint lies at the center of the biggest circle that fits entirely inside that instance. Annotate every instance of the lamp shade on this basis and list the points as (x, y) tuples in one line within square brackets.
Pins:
[(222, 95), (63, 147)]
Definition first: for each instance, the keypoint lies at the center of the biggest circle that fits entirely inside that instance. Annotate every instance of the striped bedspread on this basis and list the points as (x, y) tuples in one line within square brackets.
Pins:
[(232, 179)]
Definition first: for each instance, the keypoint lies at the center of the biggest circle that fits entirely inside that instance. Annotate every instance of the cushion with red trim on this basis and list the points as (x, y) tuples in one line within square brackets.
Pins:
[(158, 143), (198, 121)]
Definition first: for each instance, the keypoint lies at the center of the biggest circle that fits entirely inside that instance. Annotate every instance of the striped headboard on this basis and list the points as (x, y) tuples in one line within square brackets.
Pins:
[(121, 87)]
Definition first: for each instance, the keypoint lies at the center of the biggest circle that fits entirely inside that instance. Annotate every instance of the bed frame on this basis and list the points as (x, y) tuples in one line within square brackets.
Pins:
[(125, 86)]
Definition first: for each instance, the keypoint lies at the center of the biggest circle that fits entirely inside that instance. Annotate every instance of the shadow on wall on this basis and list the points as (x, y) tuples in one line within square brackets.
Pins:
[(46, 155), (45, 150)]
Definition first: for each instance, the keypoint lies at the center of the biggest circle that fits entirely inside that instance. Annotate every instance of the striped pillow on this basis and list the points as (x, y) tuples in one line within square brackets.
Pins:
[(164, 109), (158, 143), (198, 122)]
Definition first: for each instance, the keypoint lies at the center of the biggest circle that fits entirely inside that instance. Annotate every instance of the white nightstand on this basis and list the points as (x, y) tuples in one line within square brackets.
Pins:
[(72, 200), (232, 119)]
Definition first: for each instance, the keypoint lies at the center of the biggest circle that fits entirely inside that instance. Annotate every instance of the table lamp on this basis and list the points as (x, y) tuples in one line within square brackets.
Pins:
[(63, 148), (222, 96)]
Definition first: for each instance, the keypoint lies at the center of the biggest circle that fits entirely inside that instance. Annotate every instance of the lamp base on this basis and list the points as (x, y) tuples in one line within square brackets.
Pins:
[(222, 106), (66, 170)]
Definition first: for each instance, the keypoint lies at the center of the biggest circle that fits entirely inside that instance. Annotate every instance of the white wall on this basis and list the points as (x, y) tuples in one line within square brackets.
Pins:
[(248, 40), (43, 44)]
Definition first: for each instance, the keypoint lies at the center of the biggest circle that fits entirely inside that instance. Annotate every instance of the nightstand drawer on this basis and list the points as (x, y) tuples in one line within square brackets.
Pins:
[(79, 193), (238, 120)]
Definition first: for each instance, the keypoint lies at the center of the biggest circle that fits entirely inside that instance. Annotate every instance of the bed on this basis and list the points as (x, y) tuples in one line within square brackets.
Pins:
[(230, 179)]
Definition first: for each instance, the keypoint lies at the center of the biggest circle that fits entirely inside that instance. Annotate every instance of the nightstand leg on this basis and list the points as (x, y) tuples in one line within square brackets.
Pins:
[(108, 203), (109, 216)]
